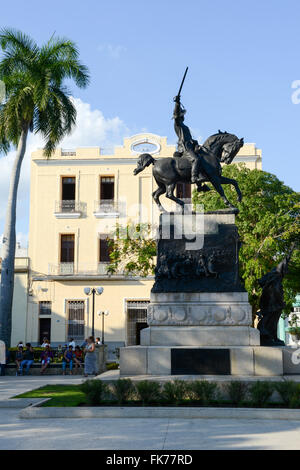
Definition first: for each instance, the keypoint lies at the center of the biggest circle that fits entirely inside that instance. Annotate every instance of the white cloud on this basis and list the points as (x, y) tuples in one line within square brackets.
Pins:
[(112, 50), (92, 129)]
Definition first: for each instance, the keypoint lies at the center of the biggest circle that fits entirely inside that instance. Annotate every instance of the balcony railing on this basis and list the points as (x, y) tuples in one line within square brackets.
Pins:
[(106, 207), (71, 207), (68, 153), (102, 268), (65, 269)]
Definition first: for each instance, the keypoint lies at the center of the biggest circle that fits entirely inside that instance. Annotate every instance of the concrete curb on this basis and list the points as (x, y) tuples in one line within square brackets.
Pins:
[(19, 402), (159, 412)]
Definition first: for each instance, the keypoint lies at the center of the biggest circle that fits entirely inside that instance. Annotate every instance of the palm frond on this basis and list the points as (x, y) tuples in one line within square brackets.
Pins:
[(13, 41)]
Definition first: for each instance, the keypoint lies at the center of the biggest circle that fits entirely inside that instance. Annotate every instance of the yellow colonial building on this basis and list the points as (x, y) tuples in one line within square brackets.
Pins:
[(76, 198)]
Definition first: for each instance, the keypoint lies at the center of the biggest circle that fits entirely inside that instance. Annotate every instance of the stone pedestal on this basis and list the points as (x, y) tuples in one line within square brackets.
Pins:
[(199, 316), (169, 360)]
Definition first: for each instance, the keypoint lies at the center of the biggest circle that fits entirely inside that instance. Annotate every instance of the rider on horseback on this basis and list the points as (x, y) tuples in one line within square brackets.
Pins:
[(186, 144)]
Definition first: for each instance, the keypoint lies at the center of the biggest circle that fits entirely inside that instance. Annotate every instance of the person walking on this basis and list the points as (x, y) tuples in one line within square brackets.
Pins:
[(68, 359), (90, 358), (28, 359)]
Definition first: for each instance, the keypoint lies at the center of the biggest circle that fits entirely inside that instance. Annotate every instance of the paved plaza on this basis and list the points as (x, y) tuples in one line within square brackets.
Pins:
[(129, 434)]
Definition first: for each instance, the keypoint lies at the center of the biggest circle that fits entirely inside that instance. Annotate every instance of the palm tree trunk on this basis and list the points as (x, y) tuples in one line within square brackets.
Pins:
[(9, 244)]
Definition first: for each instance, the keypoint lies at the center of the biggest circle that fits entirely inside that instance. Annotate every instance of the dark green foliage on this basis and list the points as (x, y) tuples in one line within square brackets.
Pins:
[(268, 224), (95, 390), (148, 391), (237, 391), (175, 392), (37, 99), (260, 393), (289, 392), (123, 390), (203, 391), (134, 248), (112, 366)]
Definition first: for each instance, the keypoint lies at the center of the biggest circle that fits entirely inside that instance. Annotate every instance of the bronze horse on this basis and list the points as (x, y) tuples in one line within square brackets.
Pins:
[(218, 148)]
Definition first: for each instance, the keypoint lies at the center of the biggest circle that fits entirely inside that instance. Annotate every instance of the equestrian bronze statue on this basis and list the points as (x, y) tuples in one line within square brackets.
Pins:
[(192, 163)]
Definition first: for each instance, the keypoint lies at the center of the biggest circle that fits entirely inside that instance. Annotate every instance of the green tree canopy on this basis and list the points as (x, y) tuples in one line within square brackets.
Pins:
[(268, 225), (36, 96), (133, 250)]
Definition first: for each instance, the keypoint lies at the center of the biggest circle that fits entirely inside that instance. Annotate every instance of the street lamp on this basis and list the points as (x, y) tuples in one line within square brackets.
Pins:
[(105, 313), (93, 291)]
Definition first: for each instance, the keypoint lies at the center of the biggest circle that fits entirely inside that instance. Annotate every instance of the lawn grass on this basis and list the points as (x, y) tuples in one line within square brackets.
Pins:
[(71, 396), (61, 395)]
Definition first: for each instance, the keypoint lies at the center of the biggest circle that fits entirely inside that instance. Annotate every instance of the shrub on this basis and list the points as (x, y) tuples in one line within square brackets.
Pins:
[(260, 392), (123, 390), (236, 391), (112, 366), (174, 392), (95, 391), (295, 399), (203, 391), (289, 392), (148, 391)]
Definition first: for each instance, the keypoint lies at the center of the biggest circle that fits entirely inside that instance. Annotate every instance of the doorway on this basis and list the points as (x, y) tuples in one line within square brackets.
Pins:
[(45, 329)]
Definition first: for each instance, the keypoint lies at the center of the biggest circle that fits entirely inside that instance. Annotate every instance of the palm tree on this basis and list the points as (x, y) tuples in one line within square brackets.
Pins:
[(36, 101)]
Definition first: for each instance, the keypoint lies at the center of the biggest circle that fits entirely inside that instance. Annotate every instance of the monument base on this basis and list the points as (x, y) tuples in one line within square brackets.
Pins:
[(199, 317), (208, 360), (200, 336)]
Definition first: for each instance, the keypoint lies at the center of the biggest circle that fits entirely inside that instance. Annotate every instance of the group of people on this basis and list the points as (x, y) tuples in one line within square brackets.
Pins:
[(72, 356)]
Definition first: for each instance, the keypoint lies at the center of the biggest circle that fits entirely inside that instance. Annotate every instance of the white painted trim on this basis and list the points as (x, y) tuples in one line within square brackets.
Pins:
[(67, 215), (145, 140), (100, 215)]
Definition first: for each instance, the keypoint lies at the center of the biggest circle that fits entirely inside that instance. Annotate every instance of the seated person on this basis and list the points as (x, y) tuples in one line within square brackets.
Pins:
[(46, 357), (78, 358), (28, 358), (19, 359), (68, 358), (45, 343)]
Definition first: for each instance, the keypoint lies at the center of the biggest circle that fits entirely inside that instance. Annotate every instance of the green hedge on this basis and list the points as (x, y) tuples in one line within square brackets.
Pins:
[(197, 392)]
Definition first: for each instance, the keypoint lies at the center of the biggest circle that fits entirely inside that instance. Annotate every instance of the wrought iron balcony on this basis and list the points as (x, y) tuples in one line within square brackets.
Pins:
[(69, 209), (106, 207), (66, 269)]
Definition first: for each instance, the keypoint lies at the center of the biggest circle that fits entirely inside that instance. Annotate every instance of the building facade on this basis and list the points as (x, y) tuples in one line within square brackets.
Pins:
[(76, 198)]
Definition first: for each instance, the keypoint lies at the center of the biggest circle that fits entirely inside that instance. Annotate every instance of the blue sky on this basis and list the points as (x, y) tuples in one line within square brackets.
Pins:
[(243, 57)]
